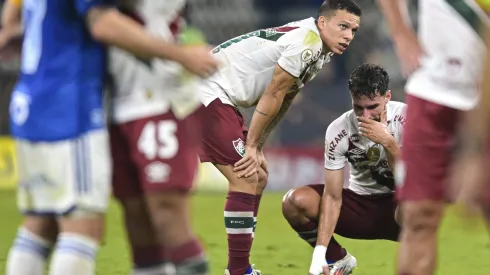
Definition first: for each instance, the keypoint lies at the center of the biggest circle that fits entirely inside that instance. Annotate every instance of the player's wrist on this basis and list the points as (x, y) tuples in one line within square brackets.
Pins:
[(319, 253)]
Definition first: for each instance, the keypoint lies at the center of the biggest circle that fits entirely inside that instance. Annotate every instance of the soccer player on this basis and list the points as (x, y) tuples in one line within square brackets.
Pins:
[(266, 69), (154, 141), (368, 137), (57, 120), (444, 66)]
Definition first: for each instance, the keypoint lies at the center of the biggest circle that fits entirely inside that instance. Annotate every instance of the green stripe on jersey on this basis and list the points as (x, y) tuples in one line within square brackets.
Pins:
[(468, 14)]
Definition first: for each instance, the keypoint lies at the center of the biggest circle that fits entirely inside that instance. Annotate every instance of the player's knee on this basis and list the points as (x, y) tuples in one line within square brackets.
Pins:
[(263, 177), (44, 227), (294, 202), (89, 224), (423, 216)]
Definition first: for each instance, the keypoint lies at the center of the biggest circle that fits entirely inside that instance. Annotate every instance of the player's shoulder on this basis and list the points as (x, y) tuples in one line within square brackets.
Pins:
[(303, 31), (340, 124), (397, 108), (396, 112)]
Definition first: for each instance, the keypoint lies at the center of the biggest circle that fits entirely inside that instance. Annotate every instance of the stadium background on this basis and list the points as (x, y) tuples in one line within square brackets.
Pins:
[(294, 152), (295, 147)]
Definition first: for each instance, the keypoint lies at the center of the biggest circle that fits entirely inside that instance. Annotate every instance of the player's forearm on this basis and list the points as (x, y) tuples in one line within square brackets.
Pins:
[(392, 151), (288, 100), (396, 15), (329, 215), (265, 112), (111, 27)]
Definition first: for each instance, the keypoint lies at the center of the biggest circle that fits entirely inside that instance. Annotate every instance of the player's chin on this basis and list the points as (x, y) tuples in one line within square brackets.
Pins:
[(338, 50)]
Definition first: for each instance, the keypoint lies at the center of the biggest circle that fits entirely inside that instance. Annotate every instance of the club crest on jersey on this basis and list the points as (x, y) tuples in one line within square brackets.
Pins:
[(239, 146), (374, 153), (306, 55)]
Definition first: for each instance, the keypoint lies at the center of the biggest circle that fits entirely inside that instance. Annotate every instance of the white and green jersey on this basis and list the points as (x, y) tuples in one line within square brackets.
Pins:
[(450, 71), (151, 87), (248, 62), (368, 164)]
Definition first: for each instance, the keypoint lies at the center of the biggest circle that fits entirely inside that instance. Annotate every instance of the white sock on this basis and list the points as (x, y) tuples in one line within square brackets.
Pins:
[(28, 254), (74, 255)]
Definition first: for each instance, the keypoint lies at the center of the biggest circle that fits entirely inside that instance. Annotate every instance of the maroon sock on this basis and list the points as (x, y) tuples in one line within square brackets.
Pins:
[(256, 212), (335, 252), (239, 222), (185, 252), (308, 232), (151, 256)]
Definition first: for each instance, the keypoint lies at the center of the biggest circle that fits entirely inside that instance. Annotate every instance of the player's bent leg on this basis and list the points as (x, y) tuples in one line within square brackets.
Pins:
[(32, 246), (300, 207), (418, 248), (239, 218)]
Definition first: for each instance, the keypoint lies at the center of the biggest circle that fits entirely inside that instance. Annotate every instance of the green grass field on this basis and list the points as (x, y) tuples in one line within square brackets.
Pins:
[(277, 250)]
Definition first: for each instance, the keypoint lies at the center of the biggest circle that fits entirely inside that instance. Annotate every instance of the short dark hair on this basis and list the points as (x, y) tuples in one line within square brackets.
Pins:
[(368, 81), (329, 7)]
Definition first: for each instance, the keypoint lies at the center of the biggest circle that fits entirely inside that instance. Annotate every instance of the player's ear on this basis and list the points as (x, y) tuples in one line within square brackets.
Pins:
[(388, 96)]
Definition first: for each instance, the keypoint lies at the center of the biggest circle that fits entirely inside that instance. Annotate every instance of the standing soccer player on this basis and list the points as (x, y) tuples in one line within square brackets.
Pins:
[(266, 69), (154, 141), (57, 120), (444, 69)]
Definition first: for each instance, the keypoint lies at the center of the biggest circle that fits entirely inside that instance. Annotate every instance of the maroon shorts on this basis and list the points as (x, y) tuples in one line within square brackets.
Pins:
[(428, 145), (223, 134), (154, 154), (365, 217)]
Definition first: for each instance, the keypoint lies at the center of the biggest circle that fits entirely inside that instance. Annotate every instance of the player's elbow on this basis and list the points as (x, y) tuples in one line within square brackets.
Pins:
[(101, 24)]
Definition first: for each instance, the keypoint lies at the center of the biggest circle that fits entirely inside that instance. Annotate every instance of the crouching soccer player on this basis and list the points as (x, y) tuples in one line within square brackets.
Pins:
[(368, 138)]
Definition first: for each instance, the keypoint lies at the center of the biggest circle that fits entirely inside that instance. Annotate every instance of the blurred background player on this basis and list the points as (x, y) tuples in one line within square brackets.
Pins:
[(266, 69), (369, 138), (444, 69), (154, 141), (471, 177), (57, 119)]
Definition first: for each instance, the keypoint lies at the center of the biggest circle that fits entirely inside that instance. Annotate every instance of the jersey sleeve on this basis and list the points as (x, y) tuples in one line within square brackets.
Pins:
[(302, 47), (83, 6), (336, 145), (401, 125)]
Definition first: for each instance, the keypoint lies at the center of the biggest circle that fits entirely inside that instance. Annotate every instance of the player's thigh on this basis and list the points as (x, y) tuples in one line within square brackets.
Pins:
[(428, 144), (223, 134), (64, 176), (367, 216)]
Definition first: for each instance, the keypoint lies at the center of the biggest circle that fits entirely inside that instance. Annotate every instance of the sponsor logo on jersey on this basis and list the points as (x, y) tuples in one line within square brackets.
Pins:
[(157, 172), (239, 146), (355, 138), (333, 144)]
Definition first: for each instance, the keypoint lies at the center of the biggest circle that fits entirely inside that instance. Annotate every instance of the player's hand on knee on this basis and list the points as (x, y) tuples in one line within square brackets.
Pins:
[(198, 60), (249, 164)]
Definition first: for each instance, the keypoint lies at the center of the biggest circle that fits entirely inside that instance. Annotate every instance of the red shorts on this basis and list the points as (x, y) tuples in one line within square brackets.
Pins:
[(154, 154), (223, 134), (428, 145)]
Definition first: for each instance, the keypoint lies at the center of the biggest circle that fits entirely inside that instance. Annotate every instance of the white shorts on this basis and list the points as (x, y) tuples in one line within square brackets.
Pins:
[(60, 177)]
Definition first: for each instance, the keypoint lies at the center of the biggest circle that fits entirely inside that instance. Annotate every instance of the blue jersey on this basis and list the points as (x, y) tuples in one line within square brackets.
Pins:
[(59, 92)]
